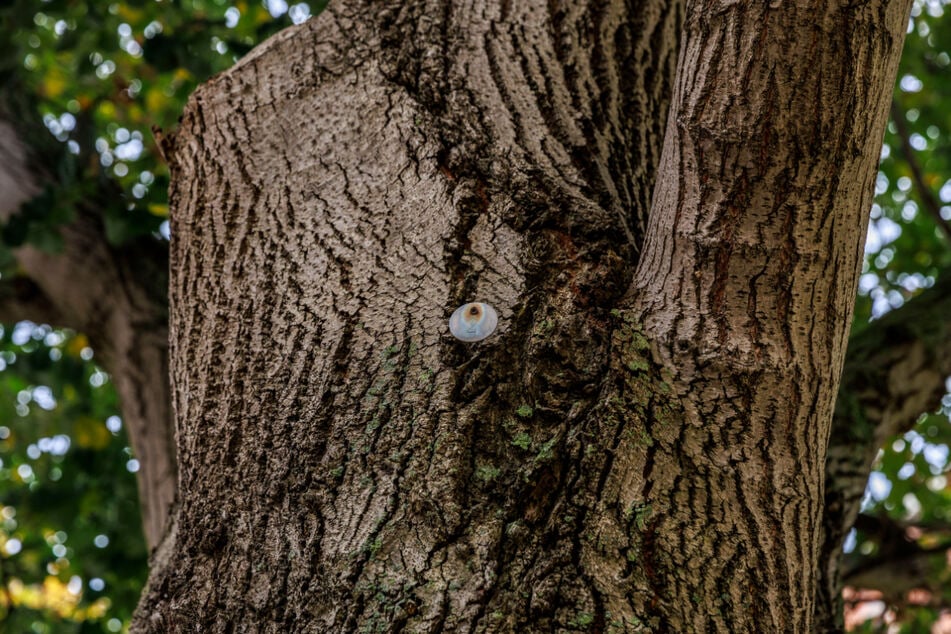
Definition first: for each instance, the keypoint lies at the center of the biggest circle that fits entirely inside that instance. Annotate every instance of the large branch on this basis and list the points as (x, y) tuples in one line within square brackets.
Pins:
[(895, 370), (17, 183), (747, 282), (116, 296)]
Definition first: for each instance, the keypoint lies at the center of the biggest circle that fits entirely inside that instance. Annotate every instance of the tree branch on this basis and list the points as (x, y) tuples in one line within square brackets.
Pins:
[(900, 563), (895, 370), (17, 183), (115, 295), (21, 299), (931, 204)]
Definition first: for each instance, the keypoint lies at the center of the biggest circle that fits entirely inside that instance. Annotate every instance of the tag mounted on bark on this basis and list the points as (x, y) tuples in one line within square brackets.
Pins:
[(473, 322)]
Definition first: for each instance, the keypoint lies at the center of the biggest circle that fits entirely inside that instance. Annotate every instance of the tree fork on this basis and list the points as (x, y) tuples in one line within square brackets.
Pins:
[(345, 186)]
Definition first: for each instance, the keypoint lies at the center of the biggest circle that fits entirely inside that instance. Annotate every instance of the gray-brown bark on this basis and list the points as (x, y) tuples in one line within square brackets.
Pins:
[(747, 283), (404, 477), (116, 296), (347, 466)]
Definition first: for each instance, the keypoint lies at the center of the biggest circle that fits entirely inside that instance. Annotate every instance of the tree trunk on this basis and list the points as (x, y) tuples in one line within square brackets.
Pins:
[(640, 445), (769, 195)]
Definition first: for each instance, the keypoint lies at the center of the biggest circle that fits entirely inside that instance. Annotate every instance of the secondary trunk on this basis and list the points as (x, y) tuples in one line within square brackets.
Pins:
[(626, 452)]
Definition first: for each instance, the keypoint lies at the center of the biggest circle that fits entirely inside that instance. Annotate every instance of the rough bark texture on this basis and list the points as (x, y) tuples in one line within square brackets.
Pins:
[(626, 453), (116, 296), (747, 285), (421, 158)]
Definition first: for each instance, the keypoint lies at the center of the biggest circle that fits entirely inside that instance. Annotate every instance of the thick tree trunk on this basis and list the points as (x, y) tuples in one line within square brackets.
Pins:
[(627, 452)]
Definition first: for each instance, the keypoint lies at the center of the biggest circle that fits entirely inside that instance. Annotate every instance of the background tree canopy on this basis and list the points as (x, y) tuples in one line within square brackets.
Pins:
[(86, 83)]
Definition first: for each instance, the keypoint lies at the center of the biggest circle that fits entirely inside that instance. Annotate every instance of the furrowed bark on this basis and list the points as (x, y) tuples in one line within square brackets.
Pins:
[(746, 287), (335, 196), (538, 480), (602, 463)]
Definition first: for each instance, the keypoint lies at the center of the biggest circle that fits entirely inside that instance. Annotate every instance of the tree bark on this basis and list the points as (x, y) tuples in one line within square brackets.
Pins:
[(627, 452), (748, 284)]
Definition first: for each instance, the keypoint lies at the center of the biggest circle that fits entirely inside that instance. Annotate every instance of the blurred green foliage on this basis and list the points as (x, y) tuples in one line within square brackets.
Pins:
[(101, 75), (907, 249), (72, 557), (907, 246)]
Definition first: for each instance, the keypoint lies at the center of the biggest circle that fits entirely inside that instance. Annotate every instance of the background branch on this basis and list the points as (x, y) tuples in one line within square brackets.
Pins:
[(900, 562), (895, 370), (115, 294), (931, 204), (21, 299)]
